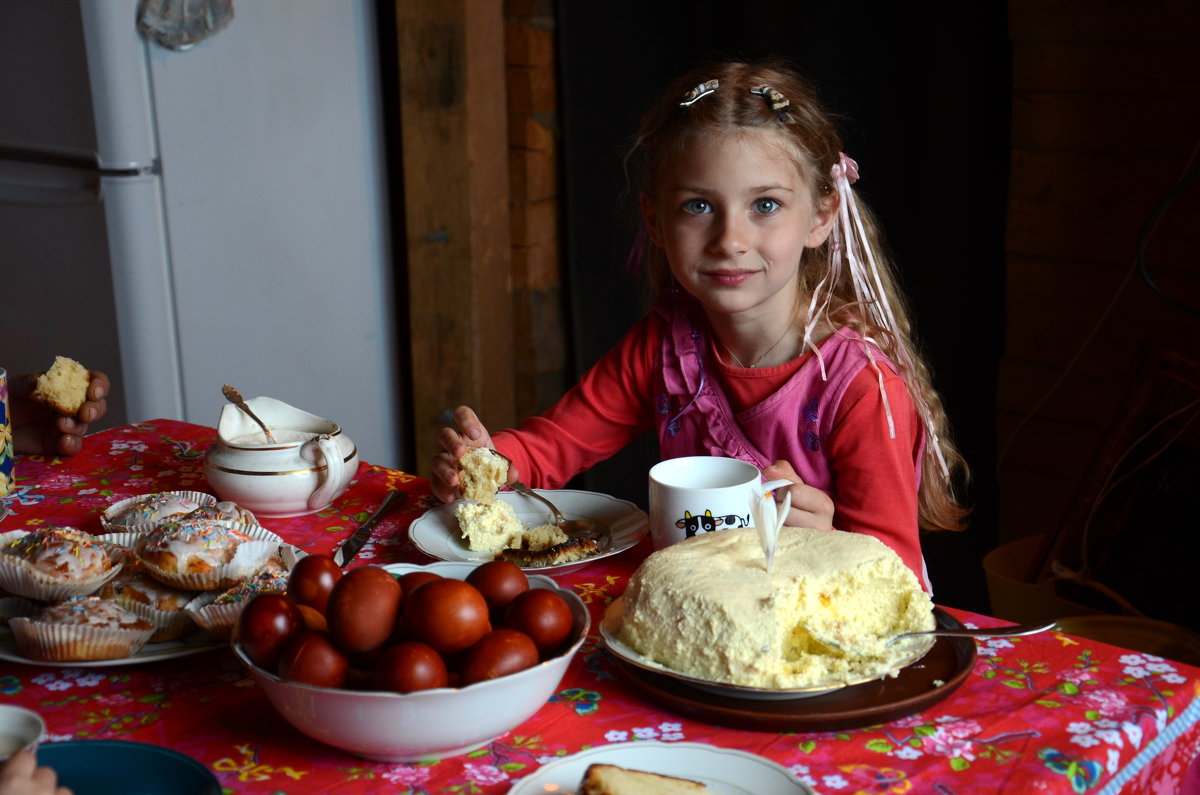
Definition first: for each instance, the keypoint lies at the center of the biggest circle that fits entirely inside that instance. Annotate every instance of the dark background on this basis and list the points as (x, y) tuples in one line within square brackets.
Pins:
[(925, 95)]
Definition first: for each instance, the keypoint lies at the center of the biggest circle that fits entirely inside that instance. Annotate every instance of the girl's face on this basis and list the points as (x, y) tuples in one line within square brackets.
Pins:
[(733, 215)]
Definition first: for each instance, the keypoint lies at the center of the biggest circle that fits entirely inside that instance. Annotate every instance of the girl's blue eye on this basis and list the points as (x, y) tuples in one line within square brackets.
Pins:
[(766, 206), (697, 207)]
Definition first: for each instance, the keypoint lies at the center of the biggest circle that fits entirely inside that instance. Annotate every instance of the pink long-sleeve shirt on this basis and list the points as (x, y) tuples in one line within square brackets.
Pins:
[(874, 484)]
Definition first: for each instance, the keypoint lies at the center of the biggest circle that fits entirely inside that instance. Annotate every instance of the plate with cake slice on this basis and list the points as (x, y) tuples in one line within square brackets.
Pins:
[(520, 529), (649, 766), (610, 630)]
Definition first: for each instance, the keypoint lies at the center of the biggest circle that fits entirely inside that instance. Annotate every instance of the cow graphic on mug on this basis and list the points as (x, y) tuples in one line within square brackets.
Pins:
[(706, 522)]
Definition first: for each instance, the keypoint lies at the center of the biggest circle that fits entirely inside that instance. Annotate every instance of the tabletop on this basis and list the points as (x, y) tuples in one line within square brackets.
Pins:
[(1043, 713)]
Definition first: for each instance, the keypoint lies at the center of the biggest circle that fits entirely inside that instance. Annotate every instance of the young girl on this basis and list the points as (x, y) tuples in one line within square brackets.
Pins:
[(778, 334)]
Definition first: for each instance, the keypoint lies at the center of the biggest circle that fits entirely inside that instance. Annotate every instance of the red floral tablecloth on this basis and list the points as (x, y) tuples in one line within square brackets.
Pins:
[(1045, 713)]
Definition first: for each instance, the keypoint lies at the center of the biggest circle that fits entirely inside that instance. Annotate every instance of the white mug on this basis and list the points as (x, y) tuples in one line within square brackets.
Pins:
[(20, 730), (700, 494)]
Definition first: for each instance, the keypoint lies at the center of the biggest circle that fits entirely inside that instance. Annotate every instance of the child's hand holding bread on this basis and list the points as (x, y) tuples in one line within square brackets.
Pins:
[(51, 410), (446, 474)]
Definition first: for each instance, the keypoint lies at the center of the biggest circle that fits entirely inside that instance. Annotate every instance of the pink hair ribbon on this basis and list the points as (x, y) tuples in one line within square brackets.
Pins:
[(849, 239)]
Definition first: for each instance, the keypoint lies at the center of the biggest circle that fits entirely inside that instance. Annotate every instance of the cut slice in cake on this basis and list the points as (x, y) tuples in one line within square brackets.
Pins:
[(601, 779), (64, 386), (488, 527)]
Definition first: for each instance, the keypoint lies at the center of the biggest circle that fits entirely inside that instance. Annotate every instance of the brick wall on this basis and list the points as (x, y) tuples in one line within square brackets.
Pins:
[(1106, 119)]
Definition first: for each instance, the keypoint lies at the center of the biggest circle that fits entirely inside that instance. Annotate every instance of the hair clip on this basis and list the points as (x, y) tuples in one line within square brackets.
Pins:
[(699, 92), (777, 101)]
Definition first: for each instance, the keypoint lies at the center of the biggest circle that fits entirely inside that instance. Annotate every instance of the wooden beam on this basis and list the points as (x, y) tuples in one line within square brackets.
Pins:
[(455, 163)]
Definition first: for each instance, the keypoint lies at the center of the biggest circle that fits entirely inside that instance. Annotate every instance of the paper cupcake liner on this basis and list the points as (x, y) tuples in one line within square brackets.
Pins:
[(218, 618), (248, 560), (113, 511), (124, 539), (284, 560), (20, 578), (39, 640), (16, 607), (168, 624)]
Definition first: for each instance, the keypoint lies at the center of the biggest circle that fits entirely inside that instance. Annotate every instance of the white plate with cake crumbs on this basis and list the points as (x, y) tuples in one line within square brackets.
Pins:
[(437, 534), (722, 771)]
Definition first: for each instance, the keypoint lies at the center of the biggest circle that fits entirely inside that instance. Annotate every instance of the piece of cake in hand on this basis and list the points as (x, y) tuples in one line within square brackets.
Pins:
[(601, 779), (64, 386), (481, 473)]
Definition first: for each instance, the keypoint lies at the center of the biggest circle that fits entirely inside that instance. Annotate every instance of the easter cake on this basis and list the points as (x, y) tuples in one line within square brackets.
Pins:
[(708, 608)]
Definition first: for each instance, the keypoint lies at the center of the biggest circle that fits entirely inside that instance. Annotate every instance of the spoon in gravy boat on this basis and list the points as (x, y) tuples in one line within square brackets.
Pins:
[(235, 397), (574, 528)]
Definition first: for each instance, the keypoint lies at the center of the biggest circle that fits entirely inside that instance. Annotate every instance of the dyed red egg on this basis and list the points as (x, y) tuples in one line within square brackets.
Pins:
[(499, 653), (311, 581), (265, 623), (499, 581), (415, 579), (450, 615), (544, 616), (362, 609), (310, 657), (410, 666)]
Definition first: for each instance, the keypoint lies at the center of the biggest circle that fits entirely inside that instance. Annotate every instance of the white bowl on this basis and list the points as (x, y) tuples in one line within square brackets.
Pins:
[(20, 730), (428, 724)]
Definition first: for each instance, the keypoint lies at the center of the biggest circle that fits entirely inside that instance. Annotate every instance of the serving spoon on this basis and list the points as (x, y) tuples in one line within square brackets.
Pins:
[(235, 397), (987, 632), (574, 528)]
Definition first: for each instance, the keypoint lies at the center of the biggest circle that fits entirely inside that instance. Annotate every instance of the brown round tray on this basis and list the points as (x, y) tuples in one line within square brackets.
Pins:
[(918, 685)]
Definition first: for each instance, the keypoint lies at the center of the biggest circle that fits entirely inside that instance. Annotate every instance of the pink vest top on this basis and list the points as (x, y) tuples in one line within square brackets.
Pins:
[(694, 416)]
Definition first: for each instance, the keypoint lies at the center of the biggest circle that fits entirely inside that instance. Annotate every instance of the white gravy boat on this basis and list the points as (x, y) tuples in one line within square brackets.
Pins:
[(306, 468)]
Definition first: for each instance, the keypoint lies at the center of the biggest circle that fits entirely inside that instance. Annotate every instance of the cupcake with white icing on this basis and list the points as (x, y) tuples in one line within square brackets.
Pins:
[(55, 563), (203, 554)]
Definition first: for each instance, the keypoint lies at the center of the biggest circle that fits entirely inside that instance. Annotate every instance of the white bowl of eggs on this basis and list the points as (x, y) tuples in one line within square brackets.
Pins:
[(440, 684)]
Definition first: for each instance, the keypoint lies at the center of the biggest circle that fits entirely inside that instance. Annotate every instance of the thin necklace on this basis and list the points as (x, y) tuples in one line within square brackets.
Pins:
[(754, 364)]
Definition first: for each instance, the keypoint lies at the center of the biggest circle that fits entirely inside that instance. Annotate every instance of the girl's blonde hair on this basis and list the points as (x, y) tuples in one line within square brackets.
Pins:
[(741, 100)]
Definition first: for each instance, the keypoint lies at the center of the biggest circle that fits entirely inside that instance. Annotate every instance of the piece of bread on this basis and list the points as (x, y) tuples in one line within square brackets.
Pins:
[(64, 386), (482, 471), (601, 779)]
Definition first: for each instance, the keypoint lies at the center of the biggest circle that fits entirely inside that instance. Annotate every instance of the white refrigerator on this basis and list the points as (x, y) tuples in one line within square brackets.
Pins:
[(187, 218)]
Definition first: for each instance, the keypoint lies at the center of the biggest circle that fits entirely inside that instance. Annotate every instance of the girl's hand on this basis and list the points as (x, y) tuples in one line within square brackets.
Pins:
[(39, 429), (21, 775), (467, 432), (811, 507)]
